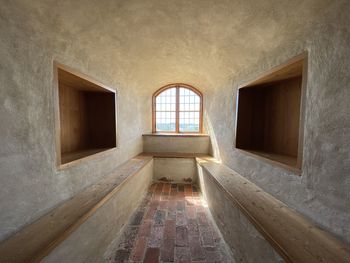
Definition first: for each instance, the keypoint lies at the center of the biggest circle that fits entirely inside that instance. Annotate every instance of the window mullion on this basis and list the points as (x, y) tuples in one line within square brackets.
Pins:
[(177, 109)]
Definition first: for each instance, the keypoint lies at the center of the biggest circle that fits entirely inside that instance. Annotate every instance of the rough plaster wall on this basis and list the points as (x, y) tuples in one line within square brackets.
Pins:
[(89, 242), (137, 46), (246, 243), (176, 144), (178, 170), (32, 35), (322, 192)]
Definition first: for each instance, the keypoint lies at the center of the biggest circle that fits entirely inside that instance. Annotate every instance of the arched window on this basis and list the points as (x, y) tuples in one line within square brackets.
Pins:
[(177, 108)]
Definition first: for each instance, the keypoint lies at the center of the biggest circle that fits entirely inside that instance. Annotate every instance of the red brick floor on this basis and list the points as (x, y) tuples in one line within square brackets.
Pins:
[(172, 224)]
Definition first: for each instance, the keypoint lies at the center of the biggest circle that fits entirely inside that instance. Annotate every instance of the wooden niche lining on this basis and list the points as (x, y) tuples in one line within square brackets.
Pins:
[(86, 113), (269, 120)]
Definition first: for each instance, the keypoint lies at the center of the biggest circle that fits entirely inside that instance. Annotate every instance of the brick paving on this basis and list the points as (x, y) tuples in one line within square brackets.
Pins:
[(172, 224)]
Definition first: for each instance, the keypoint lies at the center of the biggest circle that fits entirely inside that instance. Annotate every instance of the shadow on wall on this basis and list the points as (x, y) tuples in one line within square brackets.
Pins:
[(214, 148)]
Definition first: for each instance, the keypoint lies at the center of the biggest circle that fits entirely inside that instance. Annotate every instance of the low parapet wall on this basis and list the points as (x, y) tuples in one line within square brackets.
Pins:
[(255, 224), (176, 143), (80, 229)]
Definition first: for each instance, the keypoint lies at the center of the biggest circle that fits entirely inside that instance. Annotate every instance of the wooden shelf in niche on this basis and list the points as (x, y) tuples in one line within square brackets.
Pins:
[(269, 121), (85, 116)]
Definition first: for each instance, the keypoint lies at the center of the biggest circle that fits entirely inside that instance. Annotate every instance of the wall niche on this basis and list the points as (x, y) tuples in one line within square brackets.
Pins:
[(85, 116), (269, 121)]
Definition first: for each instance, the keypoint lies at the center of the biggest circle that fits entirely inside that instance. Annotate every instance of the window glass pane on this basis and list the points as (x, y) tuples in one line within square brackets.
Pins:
[(182, 91), (196, 115), (191, 99), (165, 126), (166, 110), (166, 121), (189, 110), (182, 107), (189, 125), (197, 107)]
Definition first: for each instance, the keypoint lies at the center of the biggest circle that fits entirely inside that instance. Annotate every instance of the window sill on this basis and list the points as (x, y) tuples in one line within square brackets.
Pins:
[(281, 161), (72, 159), (177, 134)]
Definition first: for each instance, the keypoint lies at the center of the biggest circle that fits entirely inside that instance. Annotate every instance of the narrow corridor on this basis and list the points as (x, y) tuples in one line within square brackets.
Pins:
[(172, 224)]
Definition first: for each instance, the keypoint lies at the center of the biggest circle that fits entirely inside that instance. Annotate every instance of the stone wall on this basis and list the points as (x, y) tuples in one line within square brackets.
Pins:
[(177, 170)]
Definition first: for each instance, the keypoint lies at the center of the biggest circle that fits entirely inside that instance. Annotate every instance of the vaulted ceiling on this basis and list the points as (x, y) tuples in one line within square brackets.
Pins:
[(148, 44)]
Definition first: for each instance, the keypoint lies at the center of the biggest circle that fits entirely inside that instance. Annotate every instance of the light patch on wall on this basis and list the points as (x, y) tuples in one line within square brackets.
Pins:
[(214, 144), (201, 181)]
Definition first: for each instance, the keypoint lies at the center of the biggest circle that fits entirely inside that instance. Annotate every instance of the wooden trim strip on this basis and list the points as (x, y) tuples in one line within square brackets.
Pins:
[(175, 155), (293, 236), (273, 70), (59, 66), (292, 169), (176, 134)]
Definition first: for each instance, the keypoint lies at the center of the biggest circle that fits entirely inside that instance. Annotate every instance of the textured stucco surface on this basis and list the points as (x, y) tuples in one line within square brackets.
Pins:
[(176, 144), (178, 170), (89, 243), (137, 46), (32, 35)]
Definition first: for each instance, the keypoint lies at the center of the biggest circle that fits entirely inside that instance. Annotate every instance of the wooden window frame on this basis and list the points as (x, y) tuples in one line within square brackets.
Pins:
[(177, 121)]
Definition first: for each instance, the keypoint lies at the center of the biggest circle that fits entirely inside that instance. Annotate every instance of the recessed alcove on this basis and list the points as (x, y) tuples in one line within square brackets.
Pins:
[(269, 114), (86, 116)]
